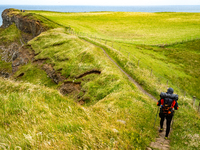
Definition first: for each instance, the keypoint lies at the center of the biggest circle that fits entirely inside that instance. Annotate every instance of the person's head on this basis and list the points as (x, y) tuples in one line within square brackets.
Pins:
[(170, 90)]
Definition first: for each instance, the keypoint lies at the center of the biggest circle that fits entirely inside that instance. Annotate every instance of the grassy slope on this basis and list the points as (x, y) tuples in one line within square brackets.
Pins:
[(186, 126), (8, 35), (123, 103), (176, 63), (40, 118), (158, 28), (36, 117)]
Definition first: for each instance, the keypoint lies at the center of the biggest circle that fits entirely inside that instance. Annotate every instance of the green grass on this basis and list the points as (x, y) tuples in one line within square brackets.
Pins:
[(128, 30), (9, 35), (75, 57), (185, 134), (6, 67), (131, 27), (34, 74), (186, 128), (35, 115)]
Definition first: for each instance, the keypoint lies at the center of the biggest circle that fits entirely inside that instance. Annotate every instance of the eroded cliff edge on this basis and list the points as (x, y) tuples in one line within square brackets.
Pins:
[(15, 51), (19, 54), (23, 23)]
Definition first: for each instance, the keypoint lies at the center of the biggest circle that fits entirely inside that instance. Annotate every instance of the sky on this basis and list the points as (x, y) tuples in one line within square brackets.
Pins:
[(100, 2)]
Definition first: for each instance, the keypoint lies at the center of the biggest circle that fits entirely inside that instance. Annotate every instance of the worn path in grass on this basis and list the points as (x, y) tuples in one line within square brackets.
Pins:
[(160, 142)]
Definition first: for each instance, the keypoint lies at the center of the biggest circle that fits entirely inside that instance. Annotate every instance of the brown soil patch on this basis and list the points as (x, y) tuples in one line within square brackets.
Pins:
[(56, 77), (22, 57), (83, 100), (70, 87), (40, 61)]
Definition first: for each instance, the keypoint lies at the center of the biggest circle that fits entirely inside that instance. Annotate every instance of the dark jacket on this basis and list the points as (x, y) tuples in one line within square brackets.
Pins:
[(167, 105)]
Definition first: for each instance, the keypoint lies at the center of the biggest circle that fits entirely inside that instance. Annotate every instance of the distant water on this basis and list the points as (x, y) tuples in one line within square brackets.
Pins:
[(176, 8)]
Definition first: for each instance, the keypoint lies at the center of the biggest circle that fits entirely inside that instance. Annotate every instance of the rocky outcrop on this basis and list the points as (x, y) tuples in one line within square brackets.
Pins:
[(23, 23), (16, 54)]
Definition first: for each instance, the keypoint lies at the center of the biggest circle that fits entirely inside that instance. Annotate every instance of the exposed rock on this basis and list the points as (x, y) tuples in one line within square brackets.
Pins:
[(21, 57), (23, 23), (4, 74)]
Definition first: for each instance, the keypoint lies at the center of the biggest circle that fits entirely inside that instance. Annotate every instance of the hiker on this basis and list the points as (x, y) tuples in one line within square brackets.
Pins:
[(167, 103)]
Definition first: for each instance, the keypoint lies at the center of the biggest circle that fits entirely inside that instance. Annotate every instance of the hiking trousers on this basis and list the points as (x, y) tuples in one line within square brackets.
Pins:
[(168, 122)]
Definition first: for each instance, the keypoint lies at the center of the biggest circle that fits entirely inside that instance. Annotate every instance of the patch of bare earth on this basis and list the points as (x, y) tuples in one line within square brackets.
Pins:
[(161, 143)]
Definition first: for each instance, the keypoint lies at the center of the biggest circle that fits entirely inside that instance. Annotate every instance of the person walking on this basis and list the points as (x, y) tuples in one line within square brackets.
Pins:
[(168, 103)]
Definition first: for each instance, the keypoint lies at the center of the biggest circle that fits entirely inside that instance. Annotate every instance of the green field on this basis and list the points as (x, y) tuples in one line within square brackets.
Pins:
[(175, 63), (116, 115), (131, 27)]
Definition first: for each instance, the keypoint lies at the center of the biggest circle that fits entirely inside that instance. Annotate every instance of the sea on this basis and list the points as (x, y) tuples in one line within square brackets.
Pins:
[(61, 8)]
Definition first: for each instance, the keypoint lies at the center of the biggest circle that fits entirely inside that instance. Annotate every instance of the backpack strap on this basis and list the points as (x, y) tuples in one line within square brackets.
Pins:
[(173, 103), (162, 101)]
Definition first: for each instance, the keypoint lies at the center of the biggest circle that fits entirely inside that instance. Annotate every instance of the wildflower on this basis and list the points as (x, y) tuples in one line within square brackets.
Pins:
[(115, 130)]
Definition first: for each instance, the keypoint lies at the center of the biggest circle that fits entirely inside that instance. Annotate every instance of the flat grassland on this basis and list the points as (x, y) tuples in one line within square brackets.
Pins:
[(132, 27)]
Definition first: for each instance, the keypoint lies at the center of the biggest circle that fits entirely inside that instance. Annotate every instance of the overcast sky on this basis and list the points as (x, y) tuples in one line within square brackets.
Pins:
[(100, 2)]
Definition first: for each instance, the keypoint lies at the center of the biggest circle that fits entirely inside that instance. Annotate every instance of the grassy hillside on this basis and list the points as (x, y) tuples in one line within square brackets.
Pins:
[(116, 115), (126, 31), (34, 116)]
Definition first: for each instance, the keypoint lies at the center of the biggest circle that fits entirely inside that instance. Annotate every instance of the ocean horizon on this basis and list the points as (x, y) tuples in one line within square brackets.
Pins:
[(63, 8)]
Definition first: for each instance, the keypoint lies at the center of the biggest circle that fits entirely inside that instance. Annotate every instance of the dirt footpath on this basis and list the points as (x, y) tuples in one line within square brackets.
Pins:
[(160, 142)]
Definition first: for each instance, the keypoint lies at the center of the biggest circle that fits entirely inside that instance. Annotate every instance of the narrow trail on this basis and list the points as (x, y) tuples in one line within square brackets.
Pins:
[(160, 142)]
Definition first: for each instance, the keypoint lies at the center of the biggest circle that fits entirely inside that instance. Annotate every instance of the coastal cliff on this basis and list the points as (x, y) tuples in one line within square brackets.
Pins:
[(17, 29), (23, 23)]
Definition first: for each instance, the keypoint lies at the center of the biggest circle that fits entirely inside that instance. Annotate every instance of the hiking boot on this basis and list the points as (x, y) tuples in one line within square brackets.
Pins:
[(166, 138), (161, 130)]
